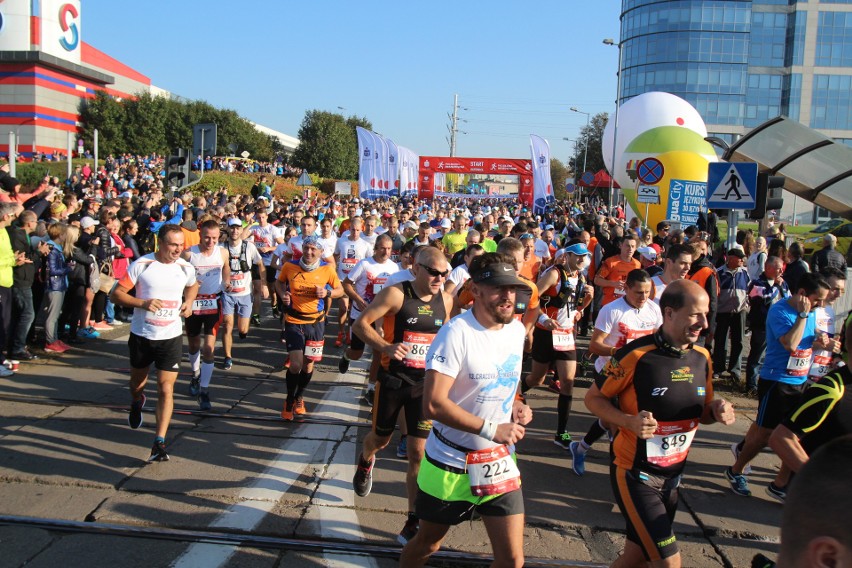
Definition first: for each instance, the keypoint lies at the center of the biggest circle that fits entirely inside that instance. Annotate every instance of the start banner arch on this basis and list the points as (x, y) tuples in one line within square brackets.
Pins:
[(437, 166)]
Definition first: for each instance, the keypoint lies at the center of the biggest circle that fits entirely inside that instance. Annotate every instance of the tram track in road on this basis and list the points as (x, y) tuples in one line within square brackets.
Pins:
[(244, 539)]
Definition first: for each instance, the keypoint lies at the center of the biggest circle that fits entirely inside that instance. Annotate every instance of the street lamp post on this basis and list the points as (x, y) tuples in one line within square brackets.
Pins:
[(612, 42), (586, 138)]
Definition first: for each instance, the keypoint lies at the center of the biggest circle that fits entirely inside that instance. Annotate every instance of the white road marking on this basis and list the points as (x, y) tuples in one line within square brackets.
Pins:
[(294, 457)]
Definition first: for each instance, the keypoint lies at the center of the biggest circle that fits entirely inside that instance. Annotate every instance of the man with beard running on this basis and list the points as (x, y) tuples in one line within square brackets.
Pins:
[(472, 372), (211, 270), (306, 288), (165, 290), (413, 312)]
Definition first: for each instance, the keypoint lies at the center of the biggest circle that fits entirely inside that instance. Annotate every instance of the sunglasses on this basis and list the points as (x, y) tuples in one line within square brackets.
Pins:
[(526, 236), (434, 272)]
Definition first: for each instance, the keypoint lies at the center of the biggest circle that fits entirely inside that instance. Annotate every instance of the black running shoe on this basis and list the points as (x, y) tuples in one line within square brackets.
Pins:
[(255, 319), (134, 419), (228, 363), (409, 531), (194, 385), (343, 365), (363, 480), (158, 452), (204, 401)]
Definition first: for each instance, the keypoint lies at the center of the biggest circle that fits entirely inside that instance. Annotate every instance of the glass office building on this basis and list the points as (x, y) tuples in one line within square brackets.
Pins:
[(742, 62)]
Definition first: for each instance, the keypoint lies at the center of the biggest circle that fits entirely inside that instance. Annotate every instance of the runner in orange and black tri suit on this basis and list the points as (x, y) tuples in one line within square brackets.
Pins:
[(413, 312), (664, 387), (306, 287)]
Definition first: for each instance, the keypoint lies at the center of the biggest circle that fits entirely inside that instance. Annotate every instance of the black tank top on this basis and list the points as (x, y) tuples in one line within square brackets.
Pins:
[(415, 324)]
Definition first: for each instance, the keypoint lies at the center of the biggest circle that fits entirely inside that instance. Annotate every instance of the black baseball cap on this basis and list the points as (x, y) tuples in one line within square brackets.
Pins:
[(500, 274)]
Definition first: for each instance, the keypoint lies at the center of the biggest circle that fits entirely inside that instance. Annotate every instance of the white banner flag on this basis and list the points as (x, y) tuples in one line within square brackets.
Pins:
[(542, 182), (381, 165), (393, 167), (366, 162)]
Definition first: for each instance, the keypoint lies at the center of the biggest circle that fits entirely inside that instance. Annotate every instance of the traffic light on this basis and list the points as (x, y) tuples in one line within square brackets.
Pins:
[(177, 168), (768, 196)]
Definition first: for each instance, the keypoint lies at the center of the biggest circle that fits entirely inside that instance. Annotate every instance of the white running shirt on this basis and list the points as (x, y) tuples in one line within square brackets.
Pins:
[(624, 323), (153, 279)]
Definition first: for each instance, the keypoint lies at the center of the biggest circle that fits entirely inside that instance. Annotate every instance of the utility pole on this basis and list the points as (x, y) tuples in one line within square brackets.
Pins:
[(454, 127)]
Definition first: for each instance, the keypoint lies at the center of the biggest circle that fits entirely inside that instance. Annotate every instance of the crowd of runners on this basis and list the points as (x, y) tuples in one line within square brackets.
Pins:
[(466, 304)]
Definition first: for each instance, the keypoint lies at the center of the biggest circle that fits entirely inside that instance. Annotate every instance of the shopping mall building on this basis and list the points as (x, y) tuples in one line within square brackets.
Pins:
[(46, 70)]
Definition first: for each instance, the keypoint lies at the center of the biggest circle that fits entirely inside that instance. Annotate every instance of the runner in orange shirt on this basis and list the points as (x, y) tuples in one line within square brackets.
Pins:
[(613, 271)]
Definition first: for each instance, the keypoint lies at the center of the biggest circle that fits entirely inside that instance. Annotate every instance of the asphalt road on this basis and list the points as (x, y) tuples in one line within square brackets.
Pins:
[(248, 489)]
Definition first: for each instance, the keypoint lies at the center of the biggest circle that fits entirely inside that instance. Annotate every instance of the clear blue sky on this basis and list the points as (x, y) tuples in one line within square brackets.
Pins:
[(516, 66)]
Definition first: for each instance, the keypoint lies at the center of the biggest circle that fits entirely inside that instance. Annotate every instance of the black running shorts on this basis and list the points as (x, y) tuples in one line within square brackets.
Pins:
[(543, 351), (648, 504), (776, 401), (392, 395), (165, 354)]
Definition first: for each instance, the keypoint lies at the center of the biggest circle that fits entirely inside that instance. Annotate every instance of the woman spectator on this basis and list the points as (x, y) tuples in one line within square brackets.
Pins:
[(129, 230), (120, 264), (757, 259), (796, 267), (56, 283), (106, 252), (73, 306), (777, 248)]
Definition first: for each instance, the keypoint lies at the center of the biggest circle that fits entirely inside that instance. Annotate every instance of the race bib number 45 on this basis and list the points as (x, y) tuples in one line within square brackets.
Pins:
[(492, 471)]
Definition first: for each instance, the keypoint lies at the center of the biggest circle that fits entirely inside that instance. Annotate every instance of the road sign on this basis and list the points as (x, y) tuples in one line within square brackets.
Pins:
[(648, 194), (588, 178), (650, 171), (731, 185), (304, 179)]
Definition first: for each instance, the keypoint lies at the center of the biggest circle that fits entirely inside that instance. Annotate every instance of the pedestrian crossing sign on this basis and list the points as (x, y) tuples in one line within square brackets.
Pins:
[(731, 185)]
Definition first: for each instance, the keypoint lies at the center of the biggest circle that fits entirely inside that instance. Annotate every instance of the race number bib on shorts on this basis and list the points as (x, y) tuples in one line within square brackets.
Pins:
[(418, 344), (563, 339), (671, 441), (313, 350), (799, 362), (168, 312), (205, 305), (238, 282), (492, 471)]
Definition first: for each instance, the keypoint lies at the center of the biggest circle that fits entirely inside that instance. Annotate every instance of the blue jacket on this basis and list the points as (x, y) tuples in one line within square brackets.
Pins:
[(57, 269)]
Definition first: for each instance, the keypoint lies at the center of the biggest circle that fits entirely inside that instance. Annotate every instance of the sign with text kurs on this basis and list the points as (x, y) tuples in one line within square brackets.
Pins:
[(686, 200), (731, 185)]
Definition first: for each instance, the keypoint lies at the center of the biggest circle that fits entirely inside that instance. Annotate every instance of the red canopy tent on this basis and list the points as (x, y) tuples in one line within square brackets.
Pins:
[(602, 179)]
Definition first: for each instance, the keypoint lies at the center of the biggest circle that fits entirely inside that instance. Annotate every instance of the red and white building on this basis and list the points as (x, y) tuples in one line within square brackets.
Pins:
[(46, 69)]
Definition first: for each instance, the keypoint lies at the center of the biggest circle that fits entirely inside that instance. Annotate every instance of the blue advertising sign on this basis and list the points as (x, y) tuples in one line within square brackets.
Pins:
[(686, 200)]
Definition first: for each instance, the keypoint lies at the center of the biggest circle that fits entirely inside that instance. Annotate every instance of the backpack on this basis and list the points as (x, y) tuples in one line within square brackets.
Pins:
[(94, 274)]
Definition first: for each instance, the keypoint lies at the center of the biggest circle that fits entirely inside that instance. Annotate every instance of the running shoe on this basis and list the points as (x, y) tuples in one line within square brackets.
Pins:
[(194, 385), (779, 493), (101, 326), (299, 407), (228, 363), (554, 386), (55, 347), (134, 419), (369, 395), (204, 401), (255, 319), (158, 452), (24, 355), (287, 411), (363, 480), (287, 362), (339, 341), (739, 483), (63, 344), (343, 365), (409, 531), (6, 371), (402, 448), (88, 333), (578, 458), (736, 448), (563, 440)]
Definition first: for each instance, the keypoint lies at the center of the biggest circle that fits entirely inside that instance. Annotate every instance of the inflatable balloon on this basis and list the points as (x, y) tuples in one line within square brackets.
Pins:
[(640, 114), (678, 165)]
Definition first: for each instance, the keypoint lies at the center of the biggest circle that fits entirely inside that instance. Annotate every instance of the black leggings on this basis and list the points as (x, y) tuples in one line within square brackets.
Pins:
[(99, 306), (72, 308)]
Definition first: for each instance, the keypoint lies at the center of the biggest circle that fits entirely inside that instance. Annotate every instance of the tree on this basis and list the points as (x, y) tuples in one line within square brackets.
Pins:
[(108, 116), (328, 145), (593, 135), (558, 175)]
